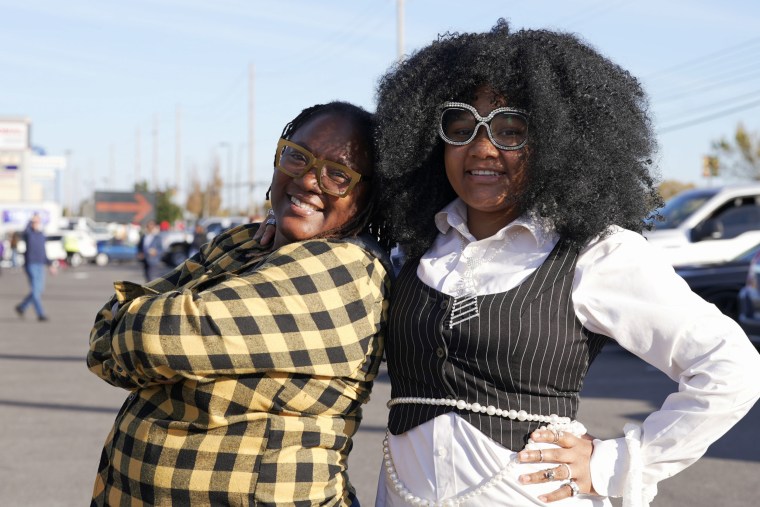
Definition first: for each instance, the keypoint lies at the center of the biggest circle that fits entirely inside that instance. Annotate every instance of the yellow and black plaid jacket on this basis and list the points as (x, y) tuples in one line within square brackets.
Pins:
[(248, 370)]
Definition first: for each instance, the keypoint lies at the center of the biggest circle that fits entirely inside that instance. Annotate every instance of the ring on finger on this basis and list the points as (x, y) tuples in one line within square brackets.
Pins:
[(556, 436), (574, 489), (540, 456), (569, 471), (549, 474), (270, 212), (271, 221)]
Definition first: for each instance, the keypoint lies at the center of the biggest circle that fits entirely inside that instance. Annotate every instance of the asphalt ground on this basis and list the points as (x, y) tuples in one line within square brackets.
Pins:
[(54, 414)]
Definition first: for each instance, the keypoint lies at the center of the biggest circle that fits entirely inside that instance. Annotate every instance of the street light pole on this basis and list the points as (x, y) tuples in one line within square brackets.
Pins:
[(231, 173)]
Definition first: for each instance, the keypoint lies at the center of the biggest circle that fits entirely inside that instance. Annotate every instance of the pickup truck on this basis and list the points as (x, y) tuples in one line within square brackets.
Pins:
[(708, 225)]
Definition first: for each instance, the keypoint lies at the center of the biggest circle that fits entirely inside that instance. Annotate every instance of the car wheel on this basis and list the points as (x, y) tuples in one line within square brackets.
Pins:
[(75, 259), (101, 259)]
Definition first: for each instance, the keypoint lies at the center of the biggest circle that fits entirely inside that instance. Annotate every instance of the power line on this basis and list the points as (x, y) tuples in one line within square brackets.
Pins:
[(719, 114), (732, 100), (703, 59), (685, 91)]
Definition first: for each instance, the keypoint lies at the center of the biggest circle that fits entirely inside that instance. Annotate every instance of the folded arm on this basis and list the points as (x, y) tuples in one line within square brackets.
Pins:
[(312, 308)]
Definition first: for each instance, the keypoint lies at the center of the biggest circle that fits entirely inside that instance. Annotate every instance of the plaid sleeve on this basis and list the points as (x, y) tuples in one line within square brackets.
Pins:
[(311, 308), (100, 356)]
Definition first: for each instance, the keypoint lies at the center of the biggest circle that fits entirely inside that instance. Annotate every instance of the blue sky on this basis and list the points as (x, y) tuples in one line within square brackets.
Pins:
[(92, 74)]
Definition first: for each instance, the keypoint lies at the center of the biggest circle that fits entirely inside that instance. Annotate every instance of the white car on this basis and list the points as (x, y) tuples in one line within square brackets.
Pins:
[(80, 246), (708, 225)]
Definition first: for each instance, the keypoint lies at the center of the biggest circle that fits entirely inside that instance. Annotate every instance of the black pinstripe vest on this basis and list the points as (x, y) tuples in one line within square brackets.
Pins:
[(526, 351)]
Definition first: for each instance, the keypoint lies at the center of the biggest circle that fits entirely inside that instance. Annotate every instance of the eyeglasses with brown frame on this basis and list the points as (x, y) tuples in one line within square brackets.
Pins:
[(333, 178)]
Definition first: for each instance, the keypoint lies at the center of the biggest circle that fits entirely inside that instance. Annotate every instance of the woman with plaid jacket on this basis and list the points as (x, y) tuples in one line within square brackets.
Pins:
[(248, 364)]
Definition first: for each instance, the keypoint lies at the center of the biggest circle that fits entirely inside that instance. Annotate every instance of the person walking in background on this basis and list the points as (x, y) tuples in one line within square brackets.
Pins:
[(35, 263), (150, 250)]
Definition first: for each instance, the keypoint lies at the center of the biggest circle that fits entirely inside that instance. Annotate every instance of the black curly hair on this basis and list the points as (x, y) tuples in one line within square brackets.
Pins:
[(591, 140), (368, 219)]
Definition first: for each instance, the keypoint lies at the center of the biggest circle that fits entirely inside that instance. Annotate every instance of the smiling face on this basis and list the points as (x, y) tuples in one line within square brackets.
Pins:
[(486, 178), (301, 208)]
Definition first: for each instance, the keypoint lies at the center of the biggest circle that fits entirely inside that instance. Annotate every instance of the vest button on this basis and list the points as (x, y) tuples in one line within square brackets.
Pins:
[(440, 352), (444, 305)]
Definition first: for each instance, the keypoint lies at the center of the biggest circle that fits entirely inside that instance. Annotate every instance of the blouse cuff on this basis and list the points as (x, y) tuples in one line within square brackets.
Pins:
[(616, 468)]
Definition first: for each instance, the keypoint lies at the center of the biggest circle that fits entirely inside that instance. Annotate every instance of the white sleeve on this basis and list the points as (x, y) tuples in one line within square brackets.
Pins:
[(625, 290)]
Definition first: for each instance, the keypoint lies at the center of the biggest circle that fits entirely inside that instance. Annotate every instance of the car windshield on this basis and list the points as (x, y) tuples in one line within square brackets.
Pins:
[(680, 207)]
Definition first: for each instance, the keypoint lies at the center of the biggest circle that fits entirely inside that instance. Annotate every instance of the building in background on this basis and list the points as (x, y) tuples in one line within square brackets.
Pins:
[(27, 175)]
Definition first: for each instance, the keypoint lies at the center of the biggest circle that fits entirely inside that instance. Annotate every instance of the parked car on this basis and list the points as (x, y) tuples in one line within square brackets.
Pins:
[(176, 252), (749, 301), (80, 246), (115, 250), (720, 283), (708, 225), (56, 254), (216, 225)]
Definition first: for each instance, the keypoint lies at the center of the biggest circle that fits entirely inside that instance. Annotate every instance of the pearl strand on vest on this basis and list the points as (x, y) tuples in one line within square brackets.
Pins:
[(519, 415), (412, 499)]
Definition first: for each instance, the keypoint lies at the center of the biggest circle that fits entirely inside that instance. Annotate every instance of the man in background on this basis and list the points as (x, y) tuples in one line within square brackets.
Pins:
[(150, 251), (35, 263)]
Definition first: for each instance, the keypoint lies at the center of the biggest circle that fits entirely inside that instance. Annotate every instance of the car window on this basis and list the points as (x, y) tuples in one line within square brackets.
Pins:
[(737, 220), (681, 207)]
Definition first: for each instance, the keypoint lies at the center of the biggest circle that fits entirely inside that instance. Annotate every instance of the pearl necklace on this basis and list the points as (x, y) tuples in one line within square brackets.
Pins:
[(557, 424), (465, 306)]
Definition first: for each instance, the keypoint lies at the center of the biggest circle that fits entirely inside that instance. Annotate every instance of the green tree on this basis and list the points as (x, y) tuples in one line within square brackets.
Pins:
[(739, 156), (165, 207)]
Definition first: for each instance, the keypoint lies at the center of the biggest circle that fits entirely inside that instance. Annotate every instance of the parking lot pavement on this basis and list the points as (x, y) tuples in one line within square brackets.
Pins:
[(54, 414)]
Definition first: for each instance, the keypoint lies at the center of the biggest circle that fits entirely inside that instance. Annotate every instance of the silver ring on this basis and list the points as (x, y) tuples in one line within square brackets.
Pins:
[(574, 489), (271, 221), (556, 437), (549, 474), (540, 456), (270, 212), (569, 471)]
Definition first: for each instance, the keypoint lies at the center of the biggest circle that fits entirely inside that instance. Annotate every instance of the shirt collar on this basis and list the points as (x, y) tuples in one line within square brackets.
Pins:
[(454, 215)]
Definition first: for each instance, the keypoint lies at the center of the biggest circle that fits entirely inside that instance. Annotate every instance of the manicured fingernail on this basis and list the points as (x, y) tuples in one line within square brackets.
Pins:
[(525, 479), (543, 498)]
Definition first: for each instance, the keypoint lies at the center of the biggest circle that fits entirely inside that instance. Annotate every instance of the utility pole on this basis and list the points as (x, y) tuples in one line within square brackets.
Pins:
[(137, 156), (251, 169), (228, 183), (155, 153), (112, 167), (178, 152), (400, 29)]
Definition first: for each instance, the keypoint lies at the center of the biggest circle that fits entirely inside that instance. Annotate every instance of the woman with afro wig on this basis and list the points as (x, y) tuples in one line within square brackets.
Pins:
[(517, 174)]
